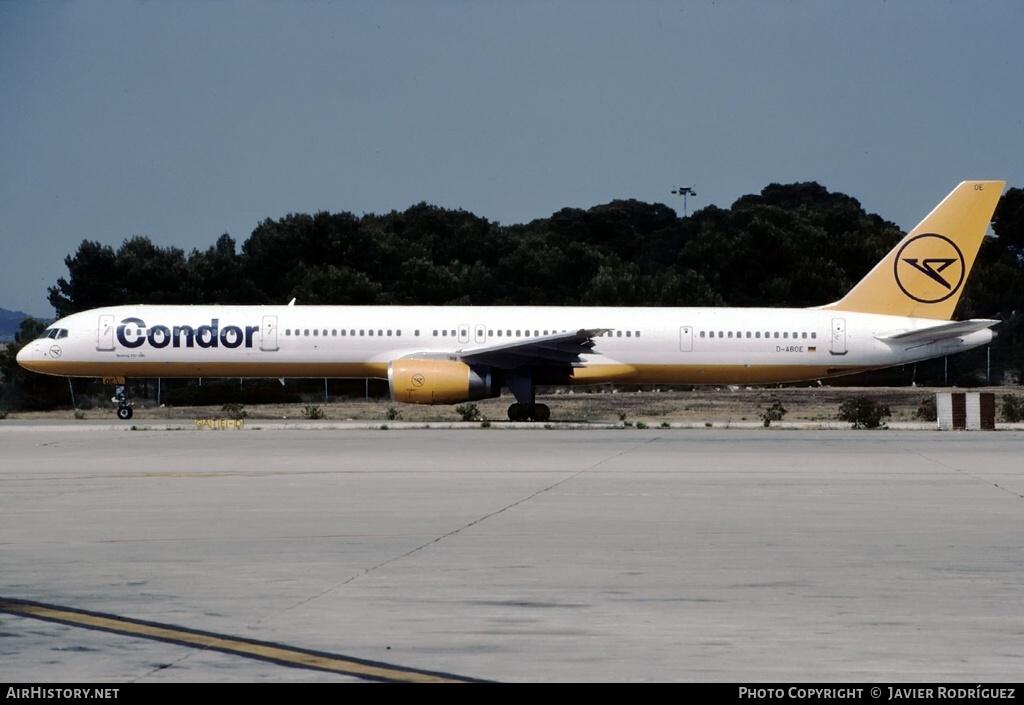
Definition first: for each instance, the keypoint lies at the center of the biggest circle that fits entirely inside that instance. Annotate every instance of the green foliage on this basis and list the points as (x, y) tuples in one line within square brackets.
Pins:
[(312, 412), (773, 412), (468, 412), (1012, 408), (793, 244), (393, 414), (234, 411), (926, 410), (864, 412), (23, 390)]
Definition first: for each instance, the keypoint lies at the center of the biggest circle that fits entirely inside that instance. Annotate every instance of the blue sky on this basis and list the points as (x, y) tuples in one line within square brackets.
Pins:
[(184, 120)]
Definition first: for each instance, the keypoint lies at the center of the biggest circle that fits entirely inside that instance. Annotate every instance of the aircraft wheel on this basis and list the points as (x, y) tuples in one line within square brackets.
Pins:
[(124, 412), (514, 413), (541, 412)]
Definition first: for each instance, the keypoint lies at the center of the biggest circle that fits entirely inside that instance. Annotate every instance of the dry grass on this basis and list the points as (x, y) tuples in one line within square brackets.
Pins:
[(718, 404)]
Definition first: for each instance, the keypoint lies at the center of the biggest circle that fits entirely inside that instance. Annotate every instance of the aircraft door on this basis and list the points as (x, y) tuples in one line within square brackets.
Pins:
[(268, 334), (838, 336), (686, 339), (105, 332), (463, 333), (481, 334)]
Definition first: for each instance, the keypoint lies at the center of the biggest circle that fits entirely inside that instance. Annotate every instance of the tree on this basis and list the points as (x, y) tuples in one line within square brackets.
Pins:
[(22, 389)]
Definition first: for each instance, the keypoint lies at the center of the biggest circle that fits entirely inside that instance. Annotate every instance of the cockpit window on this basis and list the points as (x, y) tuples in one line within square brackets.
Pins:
[(53, 333)]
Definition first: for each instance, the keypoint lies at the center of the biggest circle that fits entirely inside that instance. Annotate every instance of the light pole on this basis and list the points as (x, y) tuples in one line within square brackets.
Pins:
[(684, 191)]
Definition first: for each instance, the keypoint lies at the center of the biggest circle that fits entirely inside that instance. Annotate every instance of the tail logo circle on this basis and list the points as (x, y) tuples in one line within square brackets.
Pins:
[(929, 268)]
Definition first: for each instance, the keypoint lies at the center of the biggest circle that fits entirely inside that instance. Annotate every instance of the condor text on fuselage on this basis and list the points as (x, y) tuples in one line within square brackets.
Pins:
[(133, 333)]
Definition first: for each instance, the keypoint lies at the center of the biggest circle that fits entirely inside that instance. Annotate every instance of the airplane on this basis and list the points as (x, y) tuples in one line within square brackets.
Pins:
[(900, 312)]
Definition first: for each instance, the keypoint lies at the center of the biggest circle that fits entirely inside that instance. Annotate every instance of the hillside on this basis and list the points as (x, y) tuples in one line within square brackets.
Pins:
[(9, 322)]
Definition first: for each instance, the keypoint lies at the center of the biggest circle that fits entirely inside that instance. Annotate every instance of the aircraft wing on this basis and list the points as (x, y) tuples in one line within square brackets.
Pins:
[(951, 329), (560, 348)]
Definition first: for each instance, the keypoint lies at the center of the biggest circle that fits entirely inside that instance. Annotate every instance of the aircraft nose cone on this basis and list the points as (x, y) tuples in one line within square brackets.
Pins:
[(29, 355)]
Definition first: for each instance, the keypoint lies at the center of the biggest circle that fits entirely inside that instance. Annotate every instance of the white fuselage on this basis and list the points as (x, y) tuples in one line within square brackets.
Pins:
[(642, 345)]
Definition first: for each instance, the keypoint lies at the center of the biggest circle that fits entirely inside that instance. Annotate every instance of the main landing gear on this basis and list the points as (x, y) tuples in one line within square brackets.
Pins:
[(124, 404), (526, 408), (529, 412)]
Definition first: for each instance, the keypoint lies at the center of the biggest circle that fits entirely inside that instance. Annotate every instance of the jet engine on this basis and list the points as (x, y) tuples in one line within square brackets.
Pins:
[(416, 381)]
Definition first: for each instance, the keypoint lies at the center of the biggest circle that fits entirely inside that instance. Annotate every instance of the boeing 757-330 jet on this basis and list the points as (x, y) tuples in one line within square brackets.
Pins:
[(899, 312)]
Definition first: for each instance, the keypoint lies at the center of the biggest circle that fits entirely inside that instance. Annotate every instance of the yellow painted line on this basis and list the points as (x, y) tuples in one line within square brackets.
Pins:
[(248, 648)]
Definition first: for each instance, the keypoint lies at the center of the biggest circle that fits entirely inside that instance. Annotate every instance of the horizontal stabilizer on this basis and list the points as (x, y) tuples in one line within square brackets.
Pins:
[(953, 329)]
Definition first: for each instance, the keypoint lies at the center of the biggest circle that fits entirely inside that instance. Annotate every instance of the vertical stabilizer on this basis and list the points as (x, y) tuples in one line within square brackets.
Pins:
[(924, 275)]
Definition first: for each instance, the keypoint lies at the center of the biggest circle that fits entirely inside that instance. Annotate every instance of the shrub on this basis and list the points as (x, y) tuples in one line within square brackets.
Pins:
[(1012, 408), (468, 412), (313, 412), (863, 412), (235, 411), (926, 410), (773, 412), (393, 414)]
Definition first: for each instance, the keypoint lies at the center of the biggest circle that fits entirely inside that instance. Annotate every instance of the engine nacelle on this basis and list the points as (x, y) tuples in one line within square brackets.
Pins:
[(416, 381)]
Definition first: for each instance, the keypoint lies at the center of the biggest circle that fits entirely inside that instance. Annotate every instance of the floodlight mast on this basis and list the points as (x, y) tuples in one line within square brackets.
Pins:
[(685, 191)]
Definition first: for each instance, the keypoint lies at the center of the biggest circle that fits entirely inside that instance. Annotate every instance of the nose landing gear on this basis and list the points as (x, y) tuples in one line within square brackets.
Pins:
[(124, 404)]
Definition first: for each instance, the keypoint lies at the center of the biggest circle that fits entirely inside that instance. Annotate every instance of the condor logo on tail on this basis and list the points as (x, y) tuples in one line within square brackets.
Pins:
[(929, 268)]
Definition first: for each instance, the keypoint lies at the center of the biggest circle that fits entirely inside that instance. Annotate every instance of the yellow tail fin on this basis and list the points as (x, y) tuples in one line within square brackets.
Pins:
[(925, 274)]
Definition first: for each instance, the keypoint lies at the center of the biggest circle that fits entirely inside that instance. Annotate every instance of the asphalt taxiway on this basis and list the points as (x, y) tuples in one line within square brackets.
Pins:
[(287, 554)]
